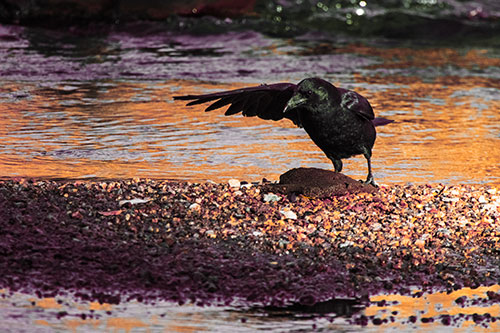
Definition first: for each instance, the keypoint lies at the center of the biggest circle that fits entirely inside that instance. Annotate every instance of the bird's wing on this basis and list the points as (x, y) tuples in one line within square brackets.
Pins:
[(356, 103), (264, 101)]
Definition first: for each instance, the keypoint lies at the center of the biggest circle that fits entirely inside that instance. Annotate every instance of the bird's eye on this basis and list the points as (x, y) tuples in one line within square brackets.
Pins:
[(309, 93)]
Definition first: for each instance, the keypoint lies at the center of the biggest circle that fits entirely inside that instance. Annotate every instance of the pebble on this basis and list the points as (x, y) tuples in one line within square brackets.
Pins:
[(235, 183), (210, 233), (289, 214), (350, 245), (420, 243), (194, 206), (271, 197), (134, 201)]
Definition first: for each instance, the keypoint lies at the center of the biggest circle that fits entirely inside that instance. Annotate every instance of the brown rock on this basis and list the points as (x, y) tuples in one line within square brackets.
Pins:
[(316, 182)]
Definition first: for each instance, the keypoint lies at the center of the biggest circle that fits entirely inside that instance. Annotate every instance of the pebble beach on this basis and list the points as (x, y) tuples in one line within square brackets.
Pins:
[(237, 243)]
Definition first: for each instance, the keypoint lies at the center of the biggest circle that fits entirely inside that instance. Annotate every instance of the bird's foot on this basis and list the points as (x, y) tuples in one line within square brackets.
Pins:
[(370, 181)]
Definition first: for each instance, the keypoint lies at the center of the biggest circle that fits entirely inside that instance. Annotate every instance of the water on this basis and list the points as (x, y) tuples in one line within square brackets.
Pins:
[(27, 313), (99, 105)]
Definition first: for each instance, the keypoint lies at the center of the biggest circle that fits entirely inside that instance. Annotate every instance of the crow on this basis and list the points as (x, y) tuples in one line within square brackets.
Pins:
[(340, 122)]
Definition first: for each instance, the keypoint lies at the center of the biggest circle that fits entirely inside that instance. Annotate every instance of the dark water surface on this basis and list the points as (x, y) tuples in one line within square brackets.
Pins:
[(99, 105), (27, 313)]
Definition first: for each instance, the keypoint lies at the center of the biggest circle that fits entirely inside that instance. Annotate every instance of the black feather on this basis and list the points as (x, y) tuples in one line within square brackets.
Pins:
[(220, 103), (234, 108)]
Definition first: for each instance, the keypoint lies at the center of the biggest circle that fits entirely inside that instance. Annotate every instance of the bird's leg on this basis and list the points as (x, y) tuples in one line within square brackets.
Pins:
[(369, 177), (337, 164)]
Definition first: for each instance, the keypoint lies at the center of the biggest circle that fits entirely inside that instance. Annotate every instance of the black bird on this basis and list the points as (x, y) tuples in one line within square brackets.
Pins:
[(341, 122)]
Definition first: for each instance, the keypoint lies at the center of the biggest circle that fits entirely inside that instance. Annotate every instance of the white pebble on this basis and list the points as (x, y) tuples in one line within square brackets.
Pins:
[(271, 197), (289, 214), (234, 183), (492, 191), (134, 201), (347, 243), (194, 206)]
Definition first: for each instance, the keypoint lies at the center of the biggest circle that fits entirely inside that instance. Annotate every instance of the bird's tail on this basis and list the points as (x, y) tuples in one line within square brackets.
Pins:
[(381, 121)]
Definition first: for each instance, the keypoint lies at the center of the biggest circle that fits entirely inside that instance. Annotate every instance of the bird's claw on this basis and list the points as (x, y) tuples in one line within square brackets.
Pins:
[(369, 181)]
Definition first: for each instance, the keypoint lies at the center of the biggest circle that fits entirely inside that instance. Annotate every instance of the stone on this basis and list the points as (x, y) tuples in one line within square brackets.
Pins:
[(289, 214), (314, 182), (234, 183)]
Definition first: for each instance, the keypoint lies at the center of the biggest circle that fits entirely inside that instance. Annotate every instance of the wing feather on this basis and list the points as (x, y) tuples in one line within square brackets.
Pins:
[(220, 103), (234, 108), (264, 101), (252, 108)]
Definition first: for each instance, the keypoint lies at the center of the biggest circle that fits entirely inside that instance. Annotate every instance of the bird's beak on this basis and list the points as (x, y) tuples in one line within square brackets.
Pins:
[(294, 102)]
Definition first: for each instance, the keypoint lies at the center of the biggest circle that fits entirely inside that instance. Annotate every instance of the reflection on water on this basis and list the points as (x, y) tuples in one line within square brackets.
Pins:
[(446, 130), (436, 312), (80, 106), (74, 106)]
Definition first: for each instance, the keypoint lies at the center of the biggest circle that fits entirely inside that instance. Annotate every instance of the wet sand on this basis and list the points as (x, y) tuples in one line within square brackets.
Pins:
[(242, 245)]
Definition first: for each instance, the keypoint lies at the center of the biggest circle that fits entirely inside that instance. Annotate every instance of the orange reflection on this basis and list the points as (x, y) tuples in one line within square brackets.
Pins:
[(424, 57), (96, 306), (48, 303), (126, 324), (446, 130), (435, 305)]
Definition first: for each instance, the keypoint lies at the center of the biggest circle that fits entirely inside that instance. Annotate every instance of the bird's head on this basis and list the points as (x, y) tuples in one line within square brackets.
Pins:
[(311, 93)]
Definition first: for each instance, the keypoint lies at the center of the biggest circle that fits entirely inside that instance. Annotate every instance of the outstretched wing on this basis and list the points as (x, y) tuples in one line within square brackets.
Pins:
[(356, 103), (264, 101)]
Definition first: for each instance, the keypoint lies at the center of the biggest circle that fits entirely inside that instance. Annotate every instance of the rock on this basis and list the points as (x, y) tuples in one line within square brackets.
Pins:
[(288, 214), (134, 201), (347, 243), (420, 243), (194, 206), (270, 197), (234, 183), (210, 233), (316, 182)]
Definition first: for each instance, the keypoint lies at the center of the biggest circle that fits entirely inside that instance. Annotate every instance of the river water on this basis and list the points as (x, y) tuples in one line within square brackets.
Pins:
[(97, 103)]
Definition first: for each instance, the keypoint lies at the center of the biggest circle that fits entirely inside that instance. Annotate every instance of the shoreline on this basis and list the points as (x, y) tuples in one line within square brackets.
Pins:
[(209, 243)]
